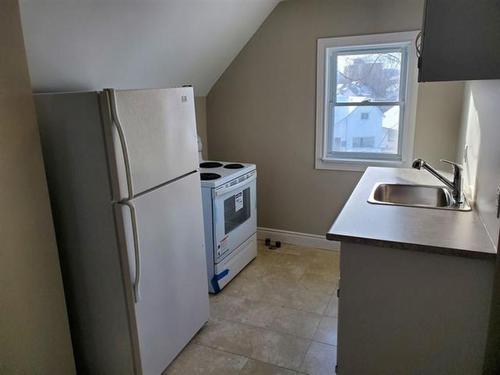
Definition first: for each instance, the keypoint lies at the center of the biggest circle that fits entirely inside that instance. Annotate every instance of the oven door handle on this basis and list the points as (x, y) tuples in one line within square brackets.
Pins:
[(218, 193)]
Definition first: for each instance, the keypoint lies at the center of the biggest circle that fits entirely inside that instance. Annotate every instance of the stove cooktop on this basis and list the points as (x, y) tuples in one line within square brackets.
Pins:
[(216, 173)]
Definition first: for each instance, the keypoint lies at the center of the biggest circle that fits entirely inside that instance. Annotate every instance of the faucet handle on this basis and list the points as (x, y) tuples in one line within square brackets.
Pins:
[(455, 165)]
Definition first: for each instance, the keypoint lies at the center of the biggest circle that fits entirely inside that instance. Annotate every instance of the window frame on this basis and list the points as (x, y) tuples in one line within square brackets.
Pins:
[(359, 161), (332, 100)]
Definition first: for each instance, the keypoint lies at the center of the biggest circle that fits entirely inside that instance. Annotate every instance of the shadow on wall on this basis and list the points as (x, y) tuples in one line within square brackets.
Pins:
[(479, 149), (469, 153), (480, 152)]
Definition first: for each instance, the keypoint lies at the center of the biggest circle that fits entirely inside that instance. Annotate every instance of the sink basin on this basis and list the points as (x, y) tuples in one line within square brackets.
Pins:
[(415, 196)]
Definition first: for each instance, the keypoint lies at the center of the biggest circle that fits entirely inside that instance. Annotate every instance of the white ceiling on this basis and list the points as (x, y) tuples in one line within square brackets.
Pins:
[(92, 44)]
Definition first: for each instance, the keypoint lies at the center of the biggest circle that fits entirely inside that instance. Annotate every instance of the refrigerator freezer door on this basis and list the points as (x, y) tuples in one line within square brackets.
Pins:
[(151, 137), (170, 275)]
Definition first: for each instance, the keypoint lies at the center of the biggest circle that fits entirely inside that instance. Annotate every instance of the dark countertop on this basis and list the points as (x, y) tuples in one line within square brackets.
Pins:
[(432, 230)]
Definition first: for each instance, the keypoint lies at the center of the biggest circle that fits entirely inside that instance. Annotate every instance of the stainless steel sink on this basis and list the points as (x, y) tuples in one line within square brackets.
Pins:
[(416, 196)]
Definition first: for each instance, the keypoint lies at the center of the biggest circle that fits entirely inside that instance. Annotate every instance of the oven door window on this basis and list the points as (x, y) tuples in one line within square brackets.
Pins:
[(236, 210)]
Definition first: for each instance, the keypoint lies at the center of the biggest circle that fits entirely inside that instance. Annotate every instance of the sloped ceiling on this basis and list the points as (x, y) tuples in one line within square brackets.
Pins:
[(92, 44)]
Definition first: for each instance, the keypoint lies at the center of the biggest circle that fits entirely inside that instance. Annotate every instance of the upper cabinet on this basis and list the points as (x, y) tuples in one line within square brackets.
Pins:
[(460, 40)]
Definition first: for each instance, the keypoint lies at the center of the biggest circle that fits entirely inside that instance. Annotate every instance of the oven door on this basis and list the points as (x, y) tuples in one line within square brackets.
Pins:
[(234, 215)]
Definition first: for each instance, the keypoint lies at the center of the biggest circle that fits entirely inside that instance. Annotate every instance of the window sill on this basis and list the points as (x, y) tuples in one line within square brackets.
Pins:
[(356, 165)]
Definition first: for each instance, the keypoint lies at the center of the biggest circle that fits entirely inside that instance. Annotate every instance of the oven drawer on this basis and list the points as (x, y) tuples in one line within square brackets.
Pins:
[(226, 270)]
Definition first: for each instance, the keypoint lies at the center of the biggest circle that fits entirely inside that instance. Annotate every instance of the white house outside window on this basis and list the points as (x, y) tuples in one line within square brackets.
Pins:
[(365, 101)]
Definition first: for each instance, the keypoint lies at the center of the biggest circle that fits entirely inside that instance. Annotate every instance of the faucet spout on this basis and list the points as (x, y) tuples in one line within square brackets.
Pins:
[(455, 186), (417, 163)]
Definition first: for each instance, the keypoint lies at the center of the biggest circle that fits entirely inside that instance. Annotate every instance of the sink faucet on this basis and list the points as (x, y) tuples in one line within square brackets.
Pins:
[(455, 186)]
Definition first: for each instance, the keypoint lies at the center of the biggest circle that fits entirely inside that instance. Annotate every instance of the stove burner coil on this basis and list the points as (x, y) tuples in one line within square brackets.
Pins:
[(209, 176), (233, 166), (210, 164)]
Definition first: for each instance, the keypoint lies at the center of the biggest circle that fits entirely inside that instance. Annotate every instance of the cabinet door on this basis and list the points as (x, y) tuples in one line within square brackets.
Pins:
[(460, 40)]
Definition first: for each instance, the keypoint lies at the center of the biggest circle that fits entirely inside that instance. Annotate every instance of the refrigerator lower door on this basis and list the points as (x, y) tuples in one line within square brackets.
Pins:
[(164, 237)]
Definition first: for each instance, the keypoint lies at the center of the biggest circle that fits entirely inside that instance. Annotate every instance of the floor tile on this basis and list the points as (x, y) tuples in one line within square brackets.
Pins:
[(283, 273), (327, 331), (253, 367), (333, 306), (315, 253), (201, 360), (249, 287), (295, 322), (288, 249), (261, 344), (294, 265), (279, 349), (228, 336), (319, 282), (243, 310), (257, 268), (322, 261), (265, 315), (320, 359), (294, 296)]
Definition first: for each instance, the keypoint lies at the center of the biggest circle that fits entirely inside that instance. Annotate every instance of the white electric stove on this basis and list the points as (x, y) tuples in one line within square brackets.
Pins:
[(230, 217)]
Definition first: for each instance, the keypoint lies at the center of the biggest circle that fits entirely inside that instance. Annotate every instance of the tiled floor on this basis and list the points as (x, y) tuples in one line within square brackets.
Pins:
[(277, 317)]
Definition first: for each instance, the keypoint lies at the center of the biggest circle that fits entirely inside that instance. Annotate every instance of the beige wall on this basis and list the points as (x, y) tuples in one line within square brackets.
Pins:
[(34, 333), (439, 112), (201, 121), (262, 109)]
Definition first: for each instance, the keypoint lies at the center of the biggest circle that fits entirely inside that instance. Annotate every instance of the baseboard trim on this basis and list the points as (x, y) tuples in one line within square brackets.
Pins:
[(297, 238)]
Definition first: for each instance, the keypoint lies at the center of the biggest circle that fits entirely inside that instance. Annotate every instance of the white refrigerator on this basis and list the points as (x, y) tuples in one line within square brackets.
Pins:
[(122, 170)]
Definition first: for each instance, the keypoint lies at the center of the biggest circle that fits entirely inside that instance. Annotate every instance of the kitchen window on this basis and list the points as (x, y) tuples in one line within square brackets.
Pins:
[(366, 99)]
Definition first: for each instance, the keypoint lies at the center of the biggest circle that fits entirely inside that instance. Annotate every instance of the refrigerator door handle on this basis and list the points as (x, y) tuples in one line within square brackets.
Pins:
[(123, 142), (137, 252)]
